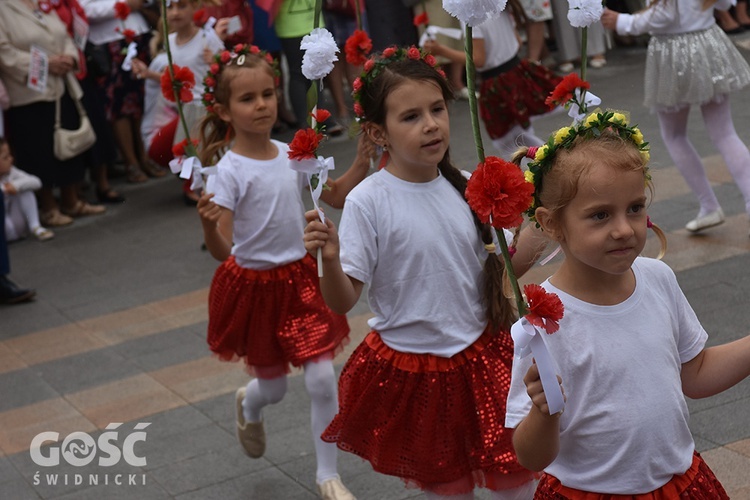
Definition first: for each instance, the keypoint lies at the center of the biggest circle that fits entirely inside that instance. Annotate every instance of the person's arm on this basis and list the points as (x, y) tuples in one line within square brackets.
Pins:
[(24, 181), (537, 438), (339, 188), (217, 227), (340, 291), (657, 17), (716, 369), (458, 56)]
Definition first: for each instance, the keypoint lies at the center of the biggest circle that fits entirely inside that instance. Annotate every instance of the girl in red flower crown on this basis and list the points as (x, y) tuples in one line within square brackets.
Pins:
[(264, 303), (629, 348), (423, 397)]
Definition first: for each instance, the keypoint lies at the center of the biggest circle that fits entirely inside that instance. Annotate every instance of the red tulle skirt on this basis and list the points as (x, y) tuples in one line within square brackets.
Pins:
[(272, 318), (513, 97), (697, 483), (437, 423)]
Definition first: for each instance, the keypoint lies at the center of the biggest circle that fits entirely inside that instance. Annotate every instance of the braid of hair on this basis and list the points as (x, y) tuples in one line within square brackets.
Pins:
[(213, 137), (500, 313)]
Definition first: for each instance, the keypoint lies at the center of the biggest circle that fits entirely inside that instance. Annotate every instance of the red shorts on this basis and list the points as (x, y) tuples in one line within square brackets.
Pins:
[(272, 318), (430, 420), (697, 483)]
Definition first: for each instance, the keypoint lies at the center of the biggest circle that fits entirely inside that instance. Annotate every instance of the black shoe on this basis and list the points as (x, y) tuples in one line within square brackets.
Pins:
[(109, 196), (11, 294)]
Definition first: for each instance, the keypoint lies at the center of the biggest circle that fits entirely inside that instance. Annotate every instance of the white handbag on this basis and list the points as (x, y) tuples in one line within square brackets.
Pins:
[(71, 143)]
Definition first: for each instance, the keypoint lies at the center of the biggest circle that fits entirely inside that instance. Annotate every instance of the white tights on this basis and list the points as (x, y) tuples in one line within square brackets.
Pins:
[(523, 492), (21, 214), (515, 137), (717, 117), (320, 382)]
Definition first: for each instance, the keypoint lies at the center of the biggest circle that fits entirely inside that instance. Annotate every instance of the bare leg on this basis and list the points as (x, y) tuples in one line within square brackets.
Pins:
[(123, 132), (535, 40)]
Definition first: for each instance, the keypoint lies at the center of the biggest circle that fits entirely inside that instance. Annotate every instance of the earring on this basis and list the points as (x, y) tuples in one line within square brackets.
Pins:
[(385, 147)]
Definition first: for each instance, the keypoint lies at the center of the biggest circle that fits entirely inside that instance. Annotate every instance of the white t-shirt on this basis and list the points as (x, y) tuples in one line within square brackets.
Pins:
[(418, 248), (157, 111), (266, 198), (500, 42), (670, 17), (190, 54), (625, 425)]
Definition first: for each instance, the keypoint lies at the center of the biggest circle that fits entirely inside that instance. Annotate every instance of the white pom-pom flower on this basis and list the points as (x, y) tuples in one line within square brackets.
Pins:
[(584, 13), (320, 54), (473, 12)]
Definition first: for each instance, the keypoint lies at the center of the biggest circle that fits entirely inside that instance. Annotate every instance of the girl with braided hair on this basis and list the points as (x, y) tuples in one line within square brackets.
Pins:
[(423, 396)]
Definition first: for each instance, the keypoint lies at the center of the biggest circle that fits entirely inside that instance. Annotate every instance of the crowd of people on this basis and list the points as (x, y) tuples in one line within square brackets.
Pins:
[(434, 394)]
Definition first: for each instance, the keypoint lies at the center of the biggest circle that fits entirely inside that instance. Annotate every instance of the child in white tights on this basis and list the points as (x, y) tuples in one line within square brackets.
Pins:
[(21, 212), (692, 61)]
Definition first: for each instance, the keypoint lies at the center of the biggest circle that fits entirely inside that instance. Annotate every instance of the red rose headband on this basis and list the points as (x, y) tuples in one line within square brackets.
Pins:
[(226, 58), (375, 65)]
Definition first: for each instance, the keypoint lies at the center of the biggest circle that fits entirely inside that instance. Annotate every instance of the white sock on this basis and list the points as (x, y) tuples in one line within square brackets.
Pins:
[(261, 392), (27, 202), (320, 382)]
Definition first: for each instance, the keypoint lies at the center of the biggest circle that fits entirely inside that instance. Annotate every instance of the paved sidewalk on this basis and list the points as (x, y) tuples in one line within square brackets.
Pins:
[(117, 335)]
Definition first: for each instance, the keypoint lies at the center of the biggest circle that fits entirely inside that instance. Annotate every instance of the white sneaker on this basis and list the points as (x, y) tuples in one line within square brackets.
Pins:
[(566, 67), (711, 219), (463, 94)]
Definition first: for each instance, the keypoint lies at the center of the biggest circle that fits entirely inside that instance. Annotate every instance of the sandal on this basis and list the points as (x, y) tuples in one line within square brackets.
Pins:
[(109, 196), (154, 170), (134, 174), (54, 218), (82, 208)]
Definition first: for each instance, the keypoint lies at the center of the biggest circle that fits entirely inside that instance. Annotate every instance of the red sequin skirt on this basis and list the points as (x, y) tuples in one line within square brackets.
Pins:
[(272, 318), (437, 423), (697, 483), (513, 97)]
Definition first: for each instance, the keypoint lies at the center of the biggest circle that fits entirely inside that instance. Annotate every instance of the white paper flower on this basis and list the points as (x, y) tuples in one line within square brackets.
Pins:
[(320, 54), (584, 13), (473, 12)]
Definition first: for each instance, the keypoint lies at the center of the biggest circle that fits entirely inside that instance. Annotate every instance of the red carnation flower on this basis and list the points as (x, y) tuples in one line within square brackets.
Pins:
[(421, 19), (122, 10), (200, 17), (545, 309), (565, 90), (321, 115), (179, 148), (184, 82), (389, 51), (413, 53), (129, 35), (357, 47), (304, 145), (498, 193)]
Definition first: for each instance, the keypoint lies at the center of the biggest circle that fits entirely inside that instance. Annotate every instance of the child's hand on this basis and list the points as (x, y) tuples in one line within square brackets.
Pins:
[(609, 19), (139, 68), (9, 188), (432, 46), (319, 235), (208, 56), (222, 28), (207, 209), (535, 390), (366, 148)]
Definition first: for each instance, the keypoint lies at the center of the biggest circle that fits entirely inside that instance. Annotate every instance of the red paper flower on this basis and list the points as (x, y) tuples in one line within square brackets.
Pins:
[(304, 145), (179, 148), (321, 115), (357, 47), (421, 19), (122, 10), (359, 110), (200, 17), (498, 193), (545, 309), (369, 64), (413, 53), (184, 81), (565, 90), (389, 51)]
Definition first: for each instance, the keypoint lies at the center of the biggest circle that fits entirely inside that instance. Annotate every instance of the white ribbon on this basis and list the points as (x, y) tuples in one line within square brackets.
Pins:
[(209, 23), (528, 340), (127, 63), (433, 31), (190, 166), (575, 111)]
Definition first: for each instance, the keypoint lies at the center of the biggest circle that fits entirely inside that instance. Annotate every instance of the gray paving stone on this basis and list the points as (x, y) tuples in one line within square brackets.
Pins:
[(263, 485)]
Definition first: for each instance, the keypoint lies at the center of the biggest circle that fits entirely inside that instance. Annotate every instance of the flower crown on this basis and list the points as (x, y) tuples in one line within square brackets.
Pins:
[(375, 65), (592, 126), (225, 58)]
